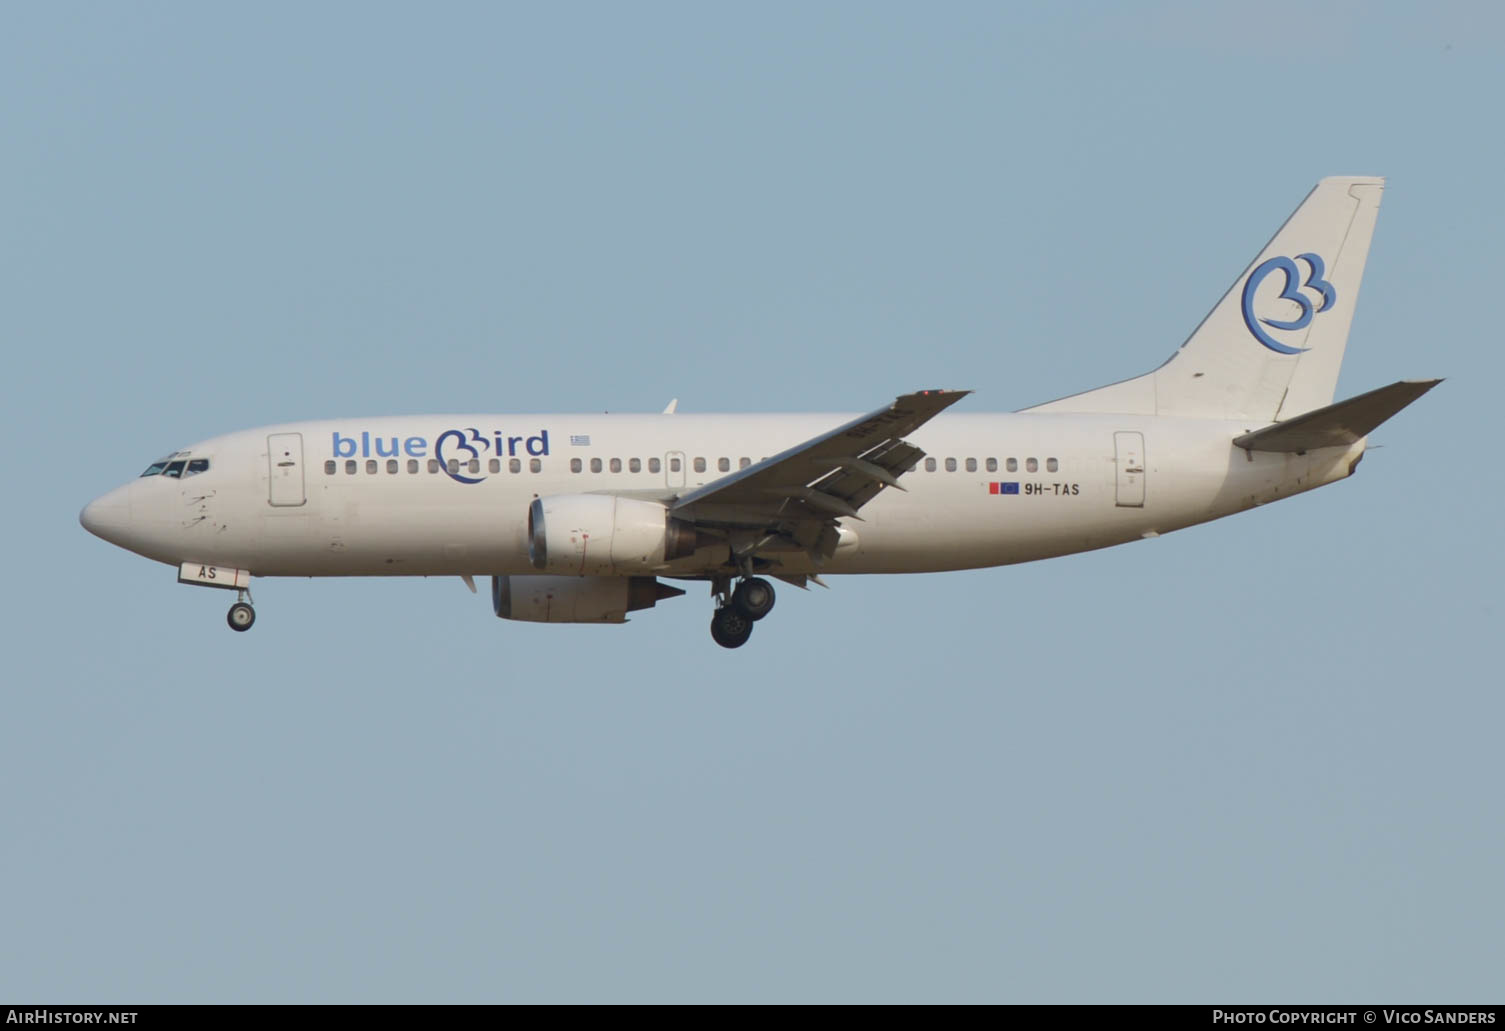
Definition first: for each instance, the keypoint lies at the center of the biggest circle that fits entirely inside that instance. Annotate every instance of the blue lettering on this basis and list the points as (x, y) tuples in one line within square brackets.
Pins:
[(471, 442)]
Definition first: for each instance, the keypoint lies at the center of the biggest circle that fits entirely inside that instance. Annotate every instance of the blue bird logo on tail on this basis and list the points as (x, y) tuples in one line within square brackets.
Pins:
[(1293, 291)]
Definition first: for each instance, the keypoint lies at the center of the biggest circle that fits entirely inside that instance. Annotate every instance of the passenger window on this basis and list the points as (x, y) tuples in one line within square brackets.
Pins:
[(1031, 466), (724, 464), (616, 465), (743, 463), (576, 465), (495, 465), (453, 465), (474, 465), (328, 468), (674, 465), (930, 465), (951, 465), (634, 465), (350, 467), (514, 465), (971, 465), (370, 465), (412, 465), (1013, 465), (391, 466), (433, 465), (700, 465), (196, 466), (992, 465), (595, 465), (1051, 465), (534, 465), (174, 469), (654, 465)]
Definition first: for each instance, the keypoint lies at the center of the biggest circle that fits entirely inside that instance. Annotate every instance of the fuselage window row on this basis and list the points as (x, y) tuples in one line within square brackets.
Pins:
[(654, 465), (597, 465), (1031, 465), (393, 466)]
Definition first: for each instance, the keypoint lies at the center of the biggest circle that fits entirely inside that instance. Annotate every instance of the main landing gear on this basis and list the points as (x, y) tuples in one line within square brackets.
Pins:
[(753, 598), (241, 616), (737, 611)]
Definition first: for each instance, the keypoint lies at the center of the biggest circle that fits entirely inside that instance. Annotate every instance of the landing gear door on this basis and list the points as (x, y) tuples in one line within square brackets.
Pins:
[(1129, 451), (285, 470)]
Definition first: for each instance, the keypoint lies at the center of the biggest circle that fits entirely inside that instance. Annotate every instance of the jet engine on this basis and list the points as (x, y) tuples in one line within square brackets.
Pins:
[(603, 535), (575, 599)]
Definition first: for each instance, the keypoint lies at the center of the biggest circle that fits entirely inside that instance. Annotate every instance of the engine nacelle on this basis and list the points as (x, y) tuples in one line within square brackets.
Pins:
[(575, 599), (602, 535)]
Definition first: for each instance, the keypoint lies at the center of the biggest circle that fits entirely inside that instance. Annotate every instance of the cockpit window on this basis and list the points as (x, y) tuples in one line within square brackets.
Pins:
[(173, 465)]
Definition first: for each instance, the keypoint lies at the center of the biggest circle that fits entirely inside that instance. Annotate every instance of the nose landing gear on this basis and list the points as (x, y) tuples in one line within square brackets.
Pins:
[(241, 616), (737, 611)]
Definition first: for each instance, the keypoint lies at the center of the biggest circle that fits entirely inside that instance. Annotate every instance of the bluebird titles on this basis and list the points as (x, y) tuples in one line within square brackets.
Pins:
[(500, 445)]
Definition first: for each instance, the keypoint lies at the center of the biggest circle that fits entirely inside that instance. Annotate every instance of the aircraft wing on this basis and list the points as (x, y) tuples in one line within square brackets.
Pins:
[(806, 488)]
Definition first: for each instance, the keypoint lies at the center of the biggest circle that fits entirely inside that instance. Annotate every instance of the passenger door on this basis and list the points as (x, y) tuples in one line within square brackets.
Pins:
[(1129, 448), (285, 470)]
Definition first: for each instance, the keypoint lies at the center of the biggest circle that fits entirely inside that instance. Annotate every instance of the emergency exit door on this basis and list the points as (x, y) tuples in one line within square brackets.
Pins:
[(1129, 451), (674, 469), (285, 469)]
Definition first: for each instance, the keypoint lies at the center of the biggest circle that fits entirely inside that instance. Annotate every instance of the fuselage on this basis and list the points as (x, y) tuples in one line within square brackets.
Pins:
[(449, 495)]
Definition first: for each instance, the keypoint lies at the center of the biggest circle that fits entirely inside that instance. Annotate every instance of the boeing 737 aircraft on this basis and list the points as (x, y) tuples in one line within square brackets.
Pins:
[(582, 518)]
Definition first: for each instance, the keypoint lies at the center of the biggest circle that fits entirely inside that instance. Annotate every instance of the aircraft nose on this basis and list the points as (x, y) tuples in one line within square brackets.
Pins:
[(108, 516)]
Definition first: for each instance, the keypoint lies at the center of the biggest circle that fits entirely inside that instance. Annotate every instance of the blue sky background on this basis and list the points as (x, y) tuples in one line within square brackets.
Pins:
[(1254, 760)]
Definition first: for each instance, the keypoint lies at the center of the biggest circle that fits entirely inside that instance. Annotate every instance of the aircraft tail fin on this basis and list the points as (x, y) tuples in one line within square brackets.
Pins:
[(1272, 347), (1339, 425)]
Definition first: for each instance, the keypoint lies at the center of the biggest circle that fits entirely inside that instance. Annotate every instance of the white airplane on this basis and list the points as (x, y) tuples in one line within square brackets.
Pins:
[(580, 518)]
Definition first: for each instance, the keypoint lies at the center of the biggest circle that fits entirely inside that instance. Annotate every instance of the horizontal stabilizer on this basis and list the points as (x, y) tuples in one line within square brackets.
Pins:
[(1337, 425)]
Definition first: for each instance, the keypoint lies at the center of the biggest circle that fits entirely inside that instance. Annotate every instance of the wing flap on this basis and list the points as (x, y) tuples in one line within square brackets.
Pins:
[(829, 476), (858, 480)]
